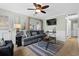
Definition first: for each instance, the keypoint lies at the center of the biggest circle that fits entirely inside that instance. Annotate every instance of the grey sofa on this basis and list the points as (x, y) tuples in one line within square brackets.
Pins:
[(33, 37), (30, 37)]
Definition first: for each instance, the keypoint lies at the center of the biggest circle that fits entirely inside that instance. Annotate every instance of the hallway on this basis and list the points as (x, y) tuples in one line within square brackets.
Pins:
[(70, 48)]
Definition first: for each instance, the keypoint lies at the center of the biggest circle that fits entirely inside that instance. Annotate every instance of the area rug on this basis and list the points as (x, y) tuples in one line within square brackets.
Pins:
[(53, 48)]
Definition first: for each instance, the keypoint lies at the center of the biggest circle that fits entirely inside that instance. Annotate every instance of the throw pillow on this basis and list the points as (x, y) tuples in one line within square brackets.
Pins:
[(2, 42)]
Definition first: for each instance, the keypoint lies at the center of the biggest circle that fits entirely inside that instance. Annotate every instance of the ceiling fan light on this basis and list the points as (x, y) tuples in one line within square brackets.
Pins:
[(38, 10)]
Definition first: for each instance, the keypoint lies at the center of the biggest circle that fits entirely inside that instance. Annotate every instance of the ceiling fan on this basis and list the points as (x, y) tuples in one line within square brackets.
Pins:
[(39, 8)]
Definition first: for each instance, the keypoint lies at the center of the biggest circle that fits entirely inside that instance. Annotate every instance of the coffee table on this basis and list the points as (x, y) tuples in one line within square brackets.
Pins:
[(49, 40)]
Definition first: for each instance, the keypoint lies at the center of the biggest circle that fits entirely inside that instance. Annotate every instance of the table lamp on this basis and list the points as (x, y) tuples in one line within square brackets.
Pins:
[(17, 26)]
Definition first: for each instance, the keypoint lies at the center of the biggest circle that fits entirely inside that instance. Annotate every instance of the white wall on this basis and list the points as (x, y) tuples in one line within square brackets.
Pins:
[(13, 19), (60, 27), (78, 30), (68, 28)]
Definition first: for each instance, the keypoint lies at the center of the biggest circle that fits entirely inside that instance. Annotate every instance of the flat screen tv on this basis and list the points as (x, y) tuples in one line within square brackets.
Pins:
[(51, 21)]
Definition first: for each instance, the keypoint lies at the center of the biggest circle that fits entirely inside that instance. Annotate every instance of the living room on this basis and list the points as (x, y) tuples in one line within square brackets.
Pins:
[(33, 33)]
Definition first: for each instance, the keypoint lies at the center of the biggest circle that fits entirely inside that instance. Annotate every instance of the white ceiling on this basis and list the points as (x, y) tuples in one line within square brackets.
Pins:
[(53, 10)]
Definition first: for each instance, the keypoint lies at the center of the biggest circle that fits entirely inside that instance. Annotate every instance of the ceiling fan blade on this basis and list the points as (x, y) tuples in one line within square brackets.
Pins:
[(30, 9), (35, 4), (46, 6), (43, 11), (39, 5)]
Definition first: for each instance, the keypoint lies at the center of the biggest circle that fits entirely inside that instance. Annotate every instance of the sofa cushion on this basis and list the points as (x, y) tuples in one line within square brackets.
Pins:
[(33, 33), (28, 33)]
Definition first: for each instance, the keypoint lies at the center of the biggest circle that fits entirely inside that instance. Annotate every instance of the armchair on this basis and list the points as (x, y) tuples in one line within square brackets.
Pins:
[(7, 50)]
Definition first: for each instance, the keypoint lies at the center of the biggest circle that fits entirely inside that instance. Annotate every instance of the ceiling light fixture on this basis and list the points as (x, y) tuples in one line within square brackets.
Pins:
[(37, 10)]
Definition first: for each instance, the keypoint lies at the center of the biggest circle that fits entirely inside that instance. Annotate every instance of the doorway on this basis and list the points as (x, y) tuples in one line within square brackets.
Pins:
[(74, 28), (71, 27)]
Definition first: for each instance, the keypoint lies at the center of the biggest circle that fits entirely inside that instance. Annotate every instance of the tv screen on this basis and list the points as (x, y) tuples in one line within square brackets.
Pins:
[(51, 21)]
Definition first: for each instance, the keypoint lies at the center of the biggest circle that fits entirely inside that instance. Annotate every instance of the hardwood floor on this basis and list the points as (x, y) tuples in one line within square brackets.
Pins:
[(70, 48), (23, 51)]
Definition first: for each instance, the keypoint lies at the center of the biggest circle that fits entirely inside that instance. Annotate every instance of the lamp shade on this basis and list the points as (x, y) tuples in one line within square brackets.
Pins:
[(17, 25)]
